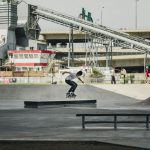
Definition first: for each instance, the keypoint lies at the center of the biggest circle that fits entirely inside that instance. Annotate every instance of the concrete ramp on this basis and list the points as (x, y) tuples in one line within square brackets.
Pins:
[(53, 92), (41, 92), (146, 102)]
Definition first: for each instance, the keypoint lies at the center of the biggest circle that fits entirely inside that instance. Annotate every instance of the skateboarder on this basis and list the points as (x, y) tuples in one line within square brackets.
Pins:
[(69, 80)]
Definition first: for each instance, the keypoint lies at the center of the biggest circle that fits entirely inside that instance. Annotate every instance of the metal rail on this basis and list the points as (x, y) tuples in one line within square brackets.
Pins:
[(115, 120)]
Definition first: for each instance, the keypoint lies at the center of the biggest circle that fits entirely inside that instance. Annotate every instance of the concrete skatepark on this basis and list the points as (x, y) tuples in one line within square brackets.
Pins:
[(58, 126)]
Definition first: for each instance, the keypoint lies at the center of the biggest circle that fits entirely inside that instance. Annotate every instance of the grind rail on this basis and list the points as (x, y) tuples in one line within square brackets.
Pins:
[(115, 120)]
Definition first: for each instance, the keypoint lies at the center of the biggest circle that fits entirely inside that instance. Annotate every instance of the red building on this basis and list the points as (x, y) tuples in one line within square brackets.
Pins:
[(30, 60)]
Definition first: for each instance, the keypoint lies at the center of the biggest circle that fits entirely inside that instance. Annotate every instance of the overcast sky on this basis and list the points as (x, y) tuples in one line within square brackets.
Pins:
[(116, 13)]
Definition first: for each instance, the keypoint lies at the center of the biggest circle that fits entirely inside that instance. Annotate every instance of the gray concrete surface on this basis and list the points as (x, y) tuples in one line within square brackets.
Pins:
[(138, 91), (12, 95), (60, 123), (61, 145)]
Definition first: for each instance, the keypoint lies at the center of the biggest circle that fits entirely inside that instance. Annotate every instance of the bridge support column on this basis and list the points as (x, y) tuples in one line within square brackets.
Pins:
[(71, 48)]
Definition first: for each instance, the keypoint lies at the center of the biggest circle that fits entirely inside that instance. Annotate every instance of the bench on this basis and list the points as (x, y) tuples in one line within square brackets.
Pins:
[(115, 120)]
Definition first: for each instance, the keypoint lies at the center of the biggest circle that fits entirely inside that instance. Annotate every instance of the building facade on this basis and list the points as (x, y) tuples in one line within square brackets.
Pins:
[(30, 60)]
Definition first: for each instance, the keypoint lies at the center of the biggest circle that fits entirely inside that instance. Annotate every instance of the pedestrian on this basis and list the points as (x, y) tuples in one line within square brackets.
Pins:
[(69, 80), (113, 80), (146, 74), (123, 72)]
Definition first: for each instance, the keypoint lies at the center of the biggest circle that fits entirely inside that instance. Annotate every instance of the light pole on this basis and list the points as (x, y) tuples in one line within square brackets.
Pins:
[(8, 2), (102, 15), (136, 1)]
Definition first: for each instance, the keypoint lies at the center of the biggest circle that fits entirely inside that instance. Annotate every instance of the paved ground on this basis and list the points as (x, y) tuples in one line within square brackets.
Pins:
[(61, 123), (138, 91), (13, 96)]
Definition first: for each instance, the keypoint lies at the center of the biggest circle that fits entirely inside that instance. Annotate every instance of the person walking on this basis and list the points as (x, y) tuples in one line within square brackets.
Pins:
[(113, 80), (146, 74)]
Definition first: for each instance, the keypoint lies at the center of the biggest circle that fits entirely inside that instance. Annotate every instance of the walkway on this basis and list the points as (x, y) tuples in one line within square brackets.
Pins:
[(137, 91)]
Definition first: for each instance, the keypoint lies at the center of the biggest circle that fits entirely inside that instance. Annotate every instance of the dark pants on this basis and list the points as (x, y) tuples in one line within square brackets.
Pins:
[(113, 81), (124, 78), (72, 84)]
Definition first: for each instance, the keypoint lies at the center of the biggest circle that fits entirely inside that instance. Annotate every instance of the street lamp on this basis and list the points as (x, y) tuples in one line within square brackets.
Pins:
[(136, 1), (102, 15)]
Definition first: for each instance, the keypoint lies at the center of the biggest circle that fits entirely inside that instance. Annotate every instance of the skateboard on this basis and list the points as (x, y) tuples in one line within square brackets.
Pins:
[(70, 95)]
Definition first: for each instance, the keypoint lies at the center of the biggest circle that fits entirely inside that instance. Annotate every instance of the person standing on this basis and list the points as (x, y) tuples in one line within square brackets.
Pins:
[(123, 72), (113, 80)]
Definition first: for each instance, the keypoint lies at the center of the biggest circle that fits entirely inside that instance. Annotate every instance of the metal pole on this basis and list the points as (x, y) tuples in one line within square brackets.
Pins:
[(8, 1), (145, 61), (28, 75), (96, 53), (106, 55), (85, 51), (102, 15), (72, 47), (136, 1), (111, 53), (69, 48)]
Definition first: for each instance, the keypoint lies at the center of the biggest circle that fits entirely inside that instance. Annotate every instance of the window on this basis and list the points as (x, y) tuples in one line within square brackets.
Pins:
[(16, 56), (24, 69), (30, 55), (18, 69), (21, 56), (36, 56), (11, 55), (43, 55), (30, 69), (26, 56)]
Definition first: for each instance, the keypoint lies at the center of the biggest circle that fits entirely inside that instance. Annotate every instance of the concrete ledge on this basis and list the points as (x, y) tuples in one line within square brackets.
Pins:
[(36, 104), (61, 145)]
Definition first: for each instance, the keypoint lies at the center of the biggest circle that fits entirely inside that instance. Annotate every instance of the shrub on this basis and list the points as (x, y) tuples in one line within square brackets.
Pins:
[(96, 73)]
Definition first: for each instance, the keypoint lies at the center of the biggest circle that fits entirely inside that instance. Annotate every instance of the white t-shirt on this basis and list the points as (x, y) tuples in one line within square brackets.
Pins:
[(123, 71), (113, 72), (71, 76)]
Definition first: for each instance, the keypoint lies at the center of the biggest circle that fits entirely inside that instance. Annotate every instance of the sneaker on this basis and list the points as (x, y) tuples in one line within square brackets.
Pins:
[(67, 94), (72, 94)]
